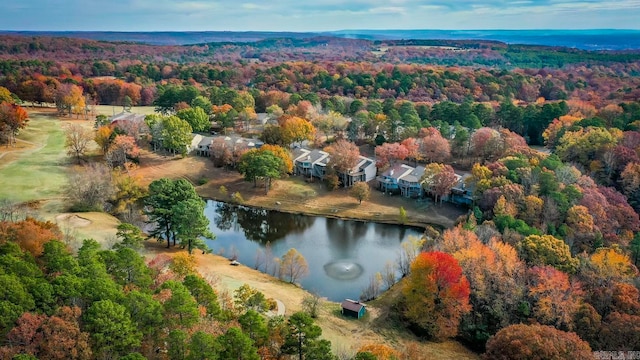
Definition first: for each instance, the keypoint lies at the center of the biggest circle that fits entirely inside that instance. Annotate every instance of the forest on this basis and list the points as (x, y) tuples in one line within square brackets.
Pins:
[(549, 140)]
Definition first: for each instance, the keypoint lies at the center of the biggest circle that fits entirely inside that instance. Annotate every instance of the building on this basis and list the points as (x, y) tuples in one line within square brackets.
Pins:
[(411, 184), (313, 164), (389, 181), (353, 308), (201, 145), (461, 193)]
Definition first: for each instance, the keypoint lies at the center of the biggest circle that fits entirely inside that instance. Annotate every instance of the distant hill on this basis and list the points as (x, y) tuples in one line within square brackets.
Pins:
[(604, 39)]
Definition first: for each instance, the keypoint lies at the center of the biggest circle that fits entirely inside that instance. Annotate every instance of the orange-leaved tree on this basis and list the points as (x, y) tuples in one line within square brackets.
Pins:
[(529, 342), (436, 294)]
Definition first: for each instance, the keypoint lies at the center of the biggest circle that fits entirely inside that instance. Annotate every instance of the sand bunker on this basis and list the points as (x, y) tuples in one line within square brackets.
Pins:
[(72, 220)]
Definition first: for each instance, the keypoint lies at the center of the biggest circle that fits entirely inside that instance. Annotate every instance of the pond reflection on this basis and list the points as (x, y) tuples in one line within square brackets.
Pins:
[(342, 254)]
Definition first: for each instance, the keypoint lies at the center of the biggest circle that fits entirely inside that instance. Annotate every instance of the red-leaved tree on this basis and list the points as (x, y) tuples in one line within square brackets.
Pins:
[(436, 294)]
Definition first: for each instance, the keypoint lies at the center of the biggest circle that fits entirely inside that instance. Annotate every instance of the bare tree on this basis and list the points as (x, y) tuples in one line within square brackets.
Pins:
[(89, 187), (372, 290), (389, 274), (77, 140), (410, 250)]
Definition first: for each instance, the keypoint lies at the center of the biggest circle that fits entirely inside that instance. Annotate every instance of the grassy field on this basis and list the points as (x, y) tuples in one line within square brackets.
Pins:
[(39, 171)]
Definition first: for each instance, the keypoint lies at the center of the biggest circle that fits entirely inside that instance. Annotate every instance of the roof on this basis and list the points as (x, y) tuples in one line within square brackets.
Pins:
[(415, 175), (352, 305), (398, 171), (126, 116)]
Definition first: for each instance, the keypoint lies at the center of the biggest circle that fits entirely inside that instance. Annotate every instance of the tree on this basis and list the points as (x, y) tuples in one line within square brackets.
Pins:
[(89, 187), (13, 118), (191, 224), (433, 147), (180, 309), (121, 149), (295, 130), (163, 195), (30, 234), (360, 191), (77, 140), (103, 137), (554, 298), (283, 154), (293, 266), (196, 117), (301, 335), (236, 345), (254, 325), (380, 351), (344, 157), (69, 99), (486, 144), (548, 250), (127, 195), (49, 337), (439, 179), (436, 294), (311, 304), (248, 298), (389, 153), (255, 164), (536, 342), (111, 329), (203, 346), (203, 293), (176, 134)]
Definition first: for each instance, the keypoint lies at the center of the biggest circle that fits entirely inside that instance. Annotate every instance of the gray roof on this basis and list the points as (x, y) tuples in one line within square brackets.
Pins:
[(415, 175), (398, 171)]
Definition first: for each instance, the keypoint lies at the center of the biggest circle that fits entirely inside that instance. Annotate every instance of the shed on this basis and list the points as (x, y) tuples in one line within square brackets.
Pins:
[(353, 308)]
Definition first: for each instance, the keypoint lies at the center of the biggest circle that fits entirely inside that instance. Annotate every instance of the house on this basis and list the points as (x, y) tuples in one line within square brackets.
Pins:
[(364, 171), (411, 184), (461, 193), (313, 163), (201, 144), (388, 181), (130, 123), (353, 308)]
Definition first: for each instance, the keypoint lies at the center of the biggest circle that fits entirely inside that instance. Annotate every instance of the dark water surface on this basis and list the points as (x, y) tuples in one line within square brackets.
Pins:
[(342, 254)]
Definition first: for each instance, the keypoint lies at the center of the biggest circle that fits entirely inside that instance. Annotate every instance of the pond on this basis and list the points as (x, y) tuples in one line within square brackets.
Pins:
[(342, 254)]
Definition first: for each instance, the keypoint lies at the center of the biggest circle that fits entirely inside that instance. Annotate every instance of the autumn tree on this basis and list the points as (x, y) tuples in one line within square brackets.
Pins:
[(103, 137), (30, 234), (51, 337), (536, 342), (345, 156), (122, 149), (439, 179), (360, 191), (77, 141), (283, 154), (554, 298), (433, 147), (293, 266), (436, 294), (295, 130), (69, 99), (548, 250), (388, 153), (13, 118), (486, 144)]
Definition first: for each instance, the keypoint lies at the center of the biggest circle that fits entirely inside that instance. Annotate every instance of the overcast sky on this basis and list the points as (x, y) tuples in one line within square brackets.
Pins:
[(315, 15)]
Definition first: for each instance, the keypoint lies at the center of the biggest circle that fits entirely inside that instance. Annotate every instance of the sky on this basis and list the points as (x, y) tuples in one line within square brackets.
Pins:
[(315, 15)]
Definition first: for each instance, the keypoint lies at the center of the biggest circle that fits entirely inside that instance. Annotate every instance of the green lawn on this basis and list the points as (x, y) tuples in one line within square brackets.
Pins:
[(38, 173)]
